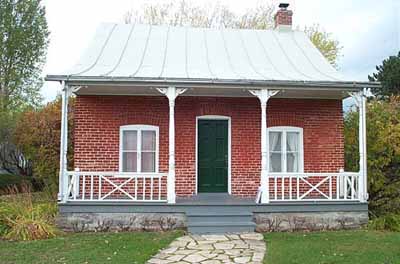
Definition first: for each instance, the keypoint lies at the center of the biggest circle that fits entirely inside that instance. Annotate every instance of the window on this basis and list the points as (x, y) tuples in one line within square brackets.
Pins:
[(139, 148), (285, 149)]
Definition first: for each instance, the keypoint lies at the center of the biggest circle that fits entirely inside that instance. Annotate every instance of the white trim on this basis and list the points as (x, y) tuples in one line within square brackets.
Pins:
[(264, 95), (216, 117), (139, 129), (63, 180), (281, 96), (171, 93), (364, 195), (284, 130)]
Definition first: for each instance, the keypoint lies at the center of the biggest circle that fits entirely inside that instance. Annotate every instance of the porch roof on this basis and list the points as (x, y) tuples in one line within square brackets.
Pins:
[(165, 55)]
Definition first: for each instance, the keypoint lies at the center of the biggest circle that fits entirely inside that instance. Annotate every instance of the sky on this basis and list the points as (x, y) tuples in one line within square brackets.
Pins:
[(368, 30)]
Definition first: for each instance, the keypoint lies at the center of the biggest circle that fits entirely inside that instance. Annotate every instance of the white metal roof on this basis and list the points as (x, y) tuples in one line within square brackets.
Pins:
[(144, 52)]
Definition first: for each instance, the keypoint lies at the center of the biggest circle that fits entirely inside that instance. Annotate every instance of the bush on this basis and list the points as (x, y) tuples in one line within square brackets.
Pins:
[(9, 180), (383, 150), (37, 135), (23, 219), (390, 222)]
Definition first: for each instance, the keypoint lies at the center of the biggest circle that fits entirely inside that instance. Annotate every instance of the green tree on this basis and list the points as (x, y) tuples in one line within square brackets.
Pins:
[(186, 13), (383, 150), (23, 44), (388, 73), (327, 45)]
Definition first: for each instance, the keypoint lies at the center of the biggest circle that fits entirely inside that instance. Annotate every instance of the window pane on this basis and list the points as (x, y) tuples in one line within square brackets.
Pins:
[(275, 164), (292, 160), (129, 140), (292, 141), (129, 162), (275, 139), (149, 140), (148, 162)]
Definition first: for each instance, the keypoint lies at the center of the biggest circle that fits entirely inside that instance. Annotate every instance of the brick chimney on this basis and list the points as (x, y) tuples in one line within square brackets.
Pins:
[(283, 18)]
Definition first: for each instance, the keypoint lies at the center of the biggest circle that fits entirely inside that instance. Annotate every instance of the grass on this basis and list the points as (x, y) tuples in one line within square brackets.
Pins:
[(24, 218), (87, 248), (342, 247)]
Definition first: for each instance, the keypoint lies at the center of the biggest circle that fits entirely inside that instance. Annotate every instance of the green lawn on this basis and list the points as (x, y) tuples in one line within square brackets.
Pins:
[(87, 248), (333, 247), (350, 247)]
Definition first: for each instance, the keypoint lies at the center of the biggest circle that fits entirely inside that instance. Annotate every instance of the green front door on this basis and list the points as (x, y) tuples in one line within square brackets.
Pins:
[(212, 156)]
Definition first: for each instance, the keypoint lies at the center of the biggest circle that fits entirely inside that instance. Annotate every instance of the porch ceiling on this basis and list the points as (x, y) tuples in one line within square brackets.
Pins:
[(211, 91)]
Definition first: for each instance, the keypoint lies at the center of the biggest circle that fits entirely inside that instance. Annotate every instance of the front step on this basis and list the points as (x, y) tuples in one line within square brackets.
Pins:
[(222, 221), (220, 227), (226, 218)]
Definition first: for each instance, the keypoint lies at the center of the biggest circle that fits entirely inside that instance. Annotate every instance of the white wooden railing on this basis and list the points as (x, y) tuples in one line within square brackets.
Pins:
[(116, 186), (313, 186)]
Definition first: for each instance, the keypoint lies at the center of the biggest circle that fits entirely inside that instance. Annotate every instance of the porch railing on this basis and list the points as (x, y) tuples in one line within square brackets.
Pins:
[(313, 186), (116, 186)]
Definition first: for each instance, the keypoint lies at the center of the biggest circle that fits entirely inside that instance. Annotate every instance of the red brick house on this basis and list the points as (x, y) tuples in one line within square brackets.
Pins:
[(216, 128)]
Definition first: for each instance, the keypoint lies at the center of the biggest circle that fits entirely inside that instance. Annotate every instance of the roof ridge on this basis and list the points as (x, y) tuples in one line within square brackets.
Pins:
[(200, 27)]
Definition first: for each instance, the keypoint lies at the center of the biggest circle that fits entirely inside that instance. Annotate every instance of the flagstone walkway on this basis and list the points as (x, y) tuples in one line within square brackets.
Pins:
[(214, 249)]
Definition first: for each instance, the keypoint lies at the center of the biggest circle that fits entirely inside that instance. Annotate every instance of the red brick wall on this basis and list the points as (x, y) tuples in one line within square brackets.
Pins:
[(98, 118)]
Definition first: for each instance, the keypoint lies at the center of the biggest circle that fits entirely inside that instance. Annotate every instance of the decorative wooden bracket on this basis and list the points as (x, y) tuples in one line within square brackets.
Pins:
[(264, 94)]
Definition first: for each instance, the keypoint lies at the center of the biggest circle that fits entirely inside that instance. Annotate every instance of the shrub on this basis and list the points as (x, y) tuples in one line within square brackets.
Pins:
[(37, 135), (390, 222), (10, 180), (23, 219), (383, 151)]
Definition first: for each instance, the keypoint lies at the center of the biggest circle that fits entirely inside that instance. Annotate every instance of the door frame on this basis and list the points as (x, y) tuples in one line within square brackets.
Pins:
[(214, 117)]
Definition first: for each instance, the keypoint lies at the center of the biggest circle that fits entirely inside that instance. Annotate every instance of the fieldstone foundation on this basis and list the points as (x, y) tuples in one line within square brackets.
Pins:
[(268, 218), (103, 222), (309, 221)]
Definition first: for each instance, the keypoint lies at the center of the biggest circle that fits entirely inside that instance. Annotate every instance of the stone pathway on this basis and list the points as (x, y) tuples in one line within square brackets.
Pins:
[(214, 249)]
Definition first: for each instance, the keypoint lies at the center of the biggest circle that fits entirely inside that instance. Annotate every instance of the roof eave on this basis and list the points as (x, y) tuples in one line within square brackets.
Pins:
[(106, 80)]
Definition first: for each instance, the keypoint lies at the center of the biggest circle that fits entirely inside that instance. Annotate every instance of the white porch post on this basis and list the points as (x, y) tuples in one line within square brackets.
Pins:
[(362, 179), (171, 93), (63, 180), (364, 142), (264, 95)]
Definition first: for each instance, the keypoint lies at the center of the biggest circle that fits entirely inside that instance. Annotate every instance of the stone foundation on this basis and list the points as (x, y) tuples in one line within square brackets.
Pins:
[(104, 222), (265, 222), (309, 221)]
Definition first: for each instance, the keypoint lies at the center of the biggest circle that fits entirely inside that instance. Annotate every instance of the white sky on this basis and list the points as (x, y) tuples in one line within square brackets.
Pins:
[(368, 30)]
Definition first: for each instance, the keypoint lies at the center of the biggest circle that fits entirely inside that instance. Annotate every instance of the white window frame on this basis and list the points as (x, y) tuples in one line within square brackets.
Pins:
[(139, 129), (284, 130)]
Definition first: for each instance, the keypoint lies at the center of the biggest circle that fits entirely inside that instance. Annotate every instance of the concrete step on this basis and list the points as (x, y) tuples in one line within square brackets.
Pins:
[(219, 210), (206, 227), (219, 219)]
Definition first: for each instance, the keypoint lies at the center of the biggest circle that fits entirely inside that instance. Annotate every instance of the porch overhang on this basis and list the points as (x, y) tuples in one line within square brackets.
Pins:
[(218, 88)]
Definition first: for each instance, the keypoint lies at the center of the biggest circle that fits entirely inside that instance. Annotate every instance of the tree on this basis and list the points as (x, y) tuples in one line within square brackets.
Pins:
[(327, 45), (23, 44), (185, 13), (37, 135), (388, 73), (383, 150)]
